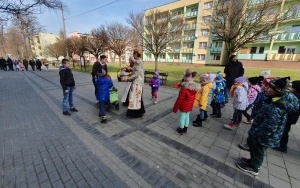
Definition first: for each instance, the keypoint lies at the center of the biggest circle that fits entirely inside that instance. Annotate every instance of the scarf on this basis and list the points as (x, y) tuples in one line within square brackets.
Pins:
[(233, 87)]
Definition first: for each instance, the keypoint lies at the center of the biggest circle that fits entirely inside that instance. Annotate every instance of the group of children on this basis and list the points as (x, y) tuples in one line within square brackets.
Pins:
[(274, 103)]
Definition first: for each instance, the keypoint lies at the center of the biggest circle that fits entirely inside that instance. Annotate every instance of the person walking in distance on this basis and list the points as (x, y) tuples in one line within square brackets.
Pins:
[(32, 64), (25, 63), (68, 85), (39, 65)]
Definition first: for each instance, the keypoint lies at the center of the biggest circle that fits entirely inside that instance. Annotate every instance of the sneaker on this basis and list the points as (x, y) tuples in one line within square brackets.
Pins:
[(185, 130), (66, 113), (247, 168), (229, 126), (103, 120), (180, 130), (155, 102), (244, 146), (245, 160), (73, 110)]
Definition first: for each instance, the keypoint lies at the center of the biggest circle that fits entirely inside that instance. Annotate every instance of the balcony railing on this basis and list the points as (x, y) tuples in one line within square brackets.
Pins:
[(191, 14), (293, 15), (216, 49), (187, 50), (190, 27), (287, 36), (189, 38)]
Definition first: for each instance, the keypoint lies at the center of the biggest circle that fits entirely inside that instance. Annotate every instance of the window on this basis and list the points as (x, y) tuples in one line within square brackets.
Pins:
[(194, 9), (201, 57), (261, 50), (162, 56), (217, 57), (206, 19), (281, 49), (208, 5), (176, 56), (218, 44), (253, 50), (204, 32), (202, 44)]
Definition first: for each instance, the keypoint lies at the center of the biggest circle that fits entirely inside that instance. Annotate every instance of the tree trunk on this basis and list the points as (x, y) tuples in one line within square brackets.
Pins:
[(156, 63), (120, 63)]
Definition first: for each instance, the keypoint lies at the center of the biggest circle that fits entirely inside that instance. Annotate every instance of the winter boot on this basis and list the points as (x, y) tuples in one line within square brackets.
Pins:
[(103, 119), (180, 130), (197, 119), (185, 130), (198, 124)]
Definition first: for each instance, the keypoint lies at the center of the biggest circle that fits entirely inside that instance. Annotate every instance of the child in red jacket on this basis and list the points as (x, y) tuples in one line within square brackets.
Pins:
[(185, 101)]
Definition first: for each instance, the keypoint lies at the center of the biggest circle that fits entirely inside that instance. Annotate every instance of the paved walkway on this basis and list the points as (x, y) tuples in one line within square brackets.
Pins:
[(42, 148)]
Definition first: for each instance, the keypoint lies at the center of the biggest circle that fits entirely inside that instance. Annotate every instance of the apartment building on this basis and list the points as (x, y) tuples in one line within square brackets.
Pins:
[(40, 41), (199, 46), (195, 42), (285, 44)]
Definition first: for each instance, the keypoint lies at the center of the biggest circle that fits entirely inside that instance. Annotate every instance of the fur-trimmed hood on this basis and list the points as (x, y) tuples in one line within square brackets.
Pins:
[(191, 86)]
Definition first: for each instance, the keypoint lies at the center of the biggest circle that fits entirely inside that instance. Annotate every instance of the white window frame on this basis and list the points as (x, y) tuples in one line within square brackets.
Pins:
[(201, 57), (204, 32), (203, 45), (208, 5)]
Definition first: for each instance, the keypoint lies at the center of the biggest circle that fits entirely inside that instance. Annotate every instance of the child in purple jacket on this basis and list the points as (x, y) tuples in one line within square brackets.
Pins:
[(154, 84)]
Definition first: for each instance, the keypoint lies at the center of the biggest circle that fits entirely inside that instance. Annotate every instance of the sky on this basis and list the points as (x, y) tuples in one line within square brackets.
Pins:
[(52, 20)]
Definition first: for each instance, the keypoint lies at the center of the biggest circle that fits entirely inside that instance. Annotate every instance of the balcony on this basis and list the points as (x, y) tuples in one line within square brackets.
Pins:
[(191, 14), (252, 56), (190, 27), (216, 49), (187, 50), (174, 50), (288, 37), (188, 39)]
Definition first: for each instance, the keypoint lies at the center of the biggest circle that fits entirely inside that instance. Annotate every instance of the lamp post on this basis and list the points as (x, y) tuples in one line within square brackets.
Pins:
[(64, 28)]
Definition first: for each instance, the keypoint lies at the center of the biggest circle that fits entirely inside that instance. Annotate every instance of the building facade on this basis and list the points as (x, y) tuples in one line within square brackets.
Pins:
[(199, 46), (40, 41), (285, 44)]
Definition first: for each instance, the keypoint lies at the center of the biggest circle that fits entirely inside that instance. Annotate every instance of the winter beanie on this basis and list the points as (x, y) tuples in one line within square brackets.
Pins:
[(240, 80), (253, 80), (157, 73), (266, 81), (280, 85), (211, 77)]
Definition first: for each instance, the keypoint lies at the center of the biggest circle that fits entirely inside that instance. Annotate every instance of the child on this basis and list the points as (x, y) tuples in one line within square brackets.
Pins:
[(17, 66), (185, 101), (268, 125), (218, 97), (291, 119), (253, 91), (68, 84), (202, 99), (155, 83), (103, 84), (240, 102), (226, 92)]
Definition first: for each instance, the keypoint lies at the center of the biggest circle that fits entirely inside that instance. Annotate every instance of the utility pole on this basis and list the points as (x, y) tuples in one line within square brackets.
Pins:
[(64, 28)]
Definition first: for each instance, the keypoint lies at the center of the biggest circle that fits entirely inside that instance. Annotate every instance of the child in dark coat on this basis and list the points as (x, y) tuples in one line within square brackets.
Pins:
[(103, 84), (154, 84), (268, 125)]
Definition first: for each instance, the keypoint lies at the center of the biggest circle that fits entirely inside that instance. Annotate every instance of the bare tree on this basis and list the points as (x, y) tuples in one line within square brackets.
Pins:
[(25, 7), (157, 30), (238, 22), (15, 44), (118, 35), (72, 46), (57, 49), (97, 41)]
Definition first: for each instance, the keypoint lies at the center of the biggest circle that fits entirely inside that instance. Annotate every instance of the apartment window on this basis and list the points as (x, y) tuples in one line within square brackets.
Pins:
[(204, 32), (194, 9), (218, 44), (202, 44), (176, 56), (261, 50), (162, 56), (253, 50), (201, 57), (217, 57), (281, 49), (208, 5), (206, 19)]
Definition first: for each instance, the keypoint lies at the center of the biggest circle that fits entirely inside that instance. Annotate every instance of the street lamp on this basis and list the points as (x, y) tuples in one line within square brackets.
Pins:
[(64, 28)]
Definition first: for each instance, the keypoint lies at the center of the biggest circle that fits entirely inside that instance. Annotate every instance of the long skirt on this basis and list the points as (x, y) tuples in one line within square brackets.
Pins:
[(136, 106)]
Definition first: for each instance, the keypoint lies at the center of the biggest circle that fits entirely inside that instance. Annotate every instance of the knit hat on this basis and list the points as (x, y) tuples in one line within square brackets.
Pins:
[(265, 74), (204, 78), (296, 86), (253, 80), (219, 78), (212, 77), (267, 80), (219, 72), (157, 73), (280, 85), (101, 73), (241, 79)]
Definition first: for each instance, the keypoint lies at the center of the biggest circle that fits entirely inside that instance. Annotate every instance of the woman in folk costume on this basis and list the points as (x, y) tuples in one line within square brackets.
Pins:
[(136, 107)]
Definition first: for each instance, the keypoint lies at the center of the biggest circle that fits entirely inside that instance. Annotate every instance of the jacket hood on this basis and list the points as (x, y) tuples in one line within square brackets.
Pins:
[(191, 86), (61, 67), (288, 102)]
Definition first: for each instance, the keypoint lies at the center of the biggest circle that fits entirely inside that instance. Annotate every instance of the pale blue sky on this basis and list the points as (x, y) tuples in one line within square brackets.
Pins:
[(52, 22)]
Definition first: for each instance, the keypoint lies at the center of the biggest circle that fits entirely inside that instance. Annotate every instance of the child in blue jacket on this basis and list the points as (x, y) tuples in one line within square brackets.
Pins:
[(103, 84)]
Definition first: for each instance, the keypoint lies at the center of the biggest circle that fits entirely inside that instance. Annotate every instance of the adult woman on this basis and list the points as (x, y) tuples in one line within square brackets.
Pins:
[(136, 107)]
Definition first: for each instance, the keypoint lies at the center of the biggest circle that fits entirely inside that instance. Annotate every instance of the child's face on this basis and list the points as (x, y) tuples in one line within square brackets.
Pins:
[(270, 91), (154, 76), (292, 90), (67, 64)]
